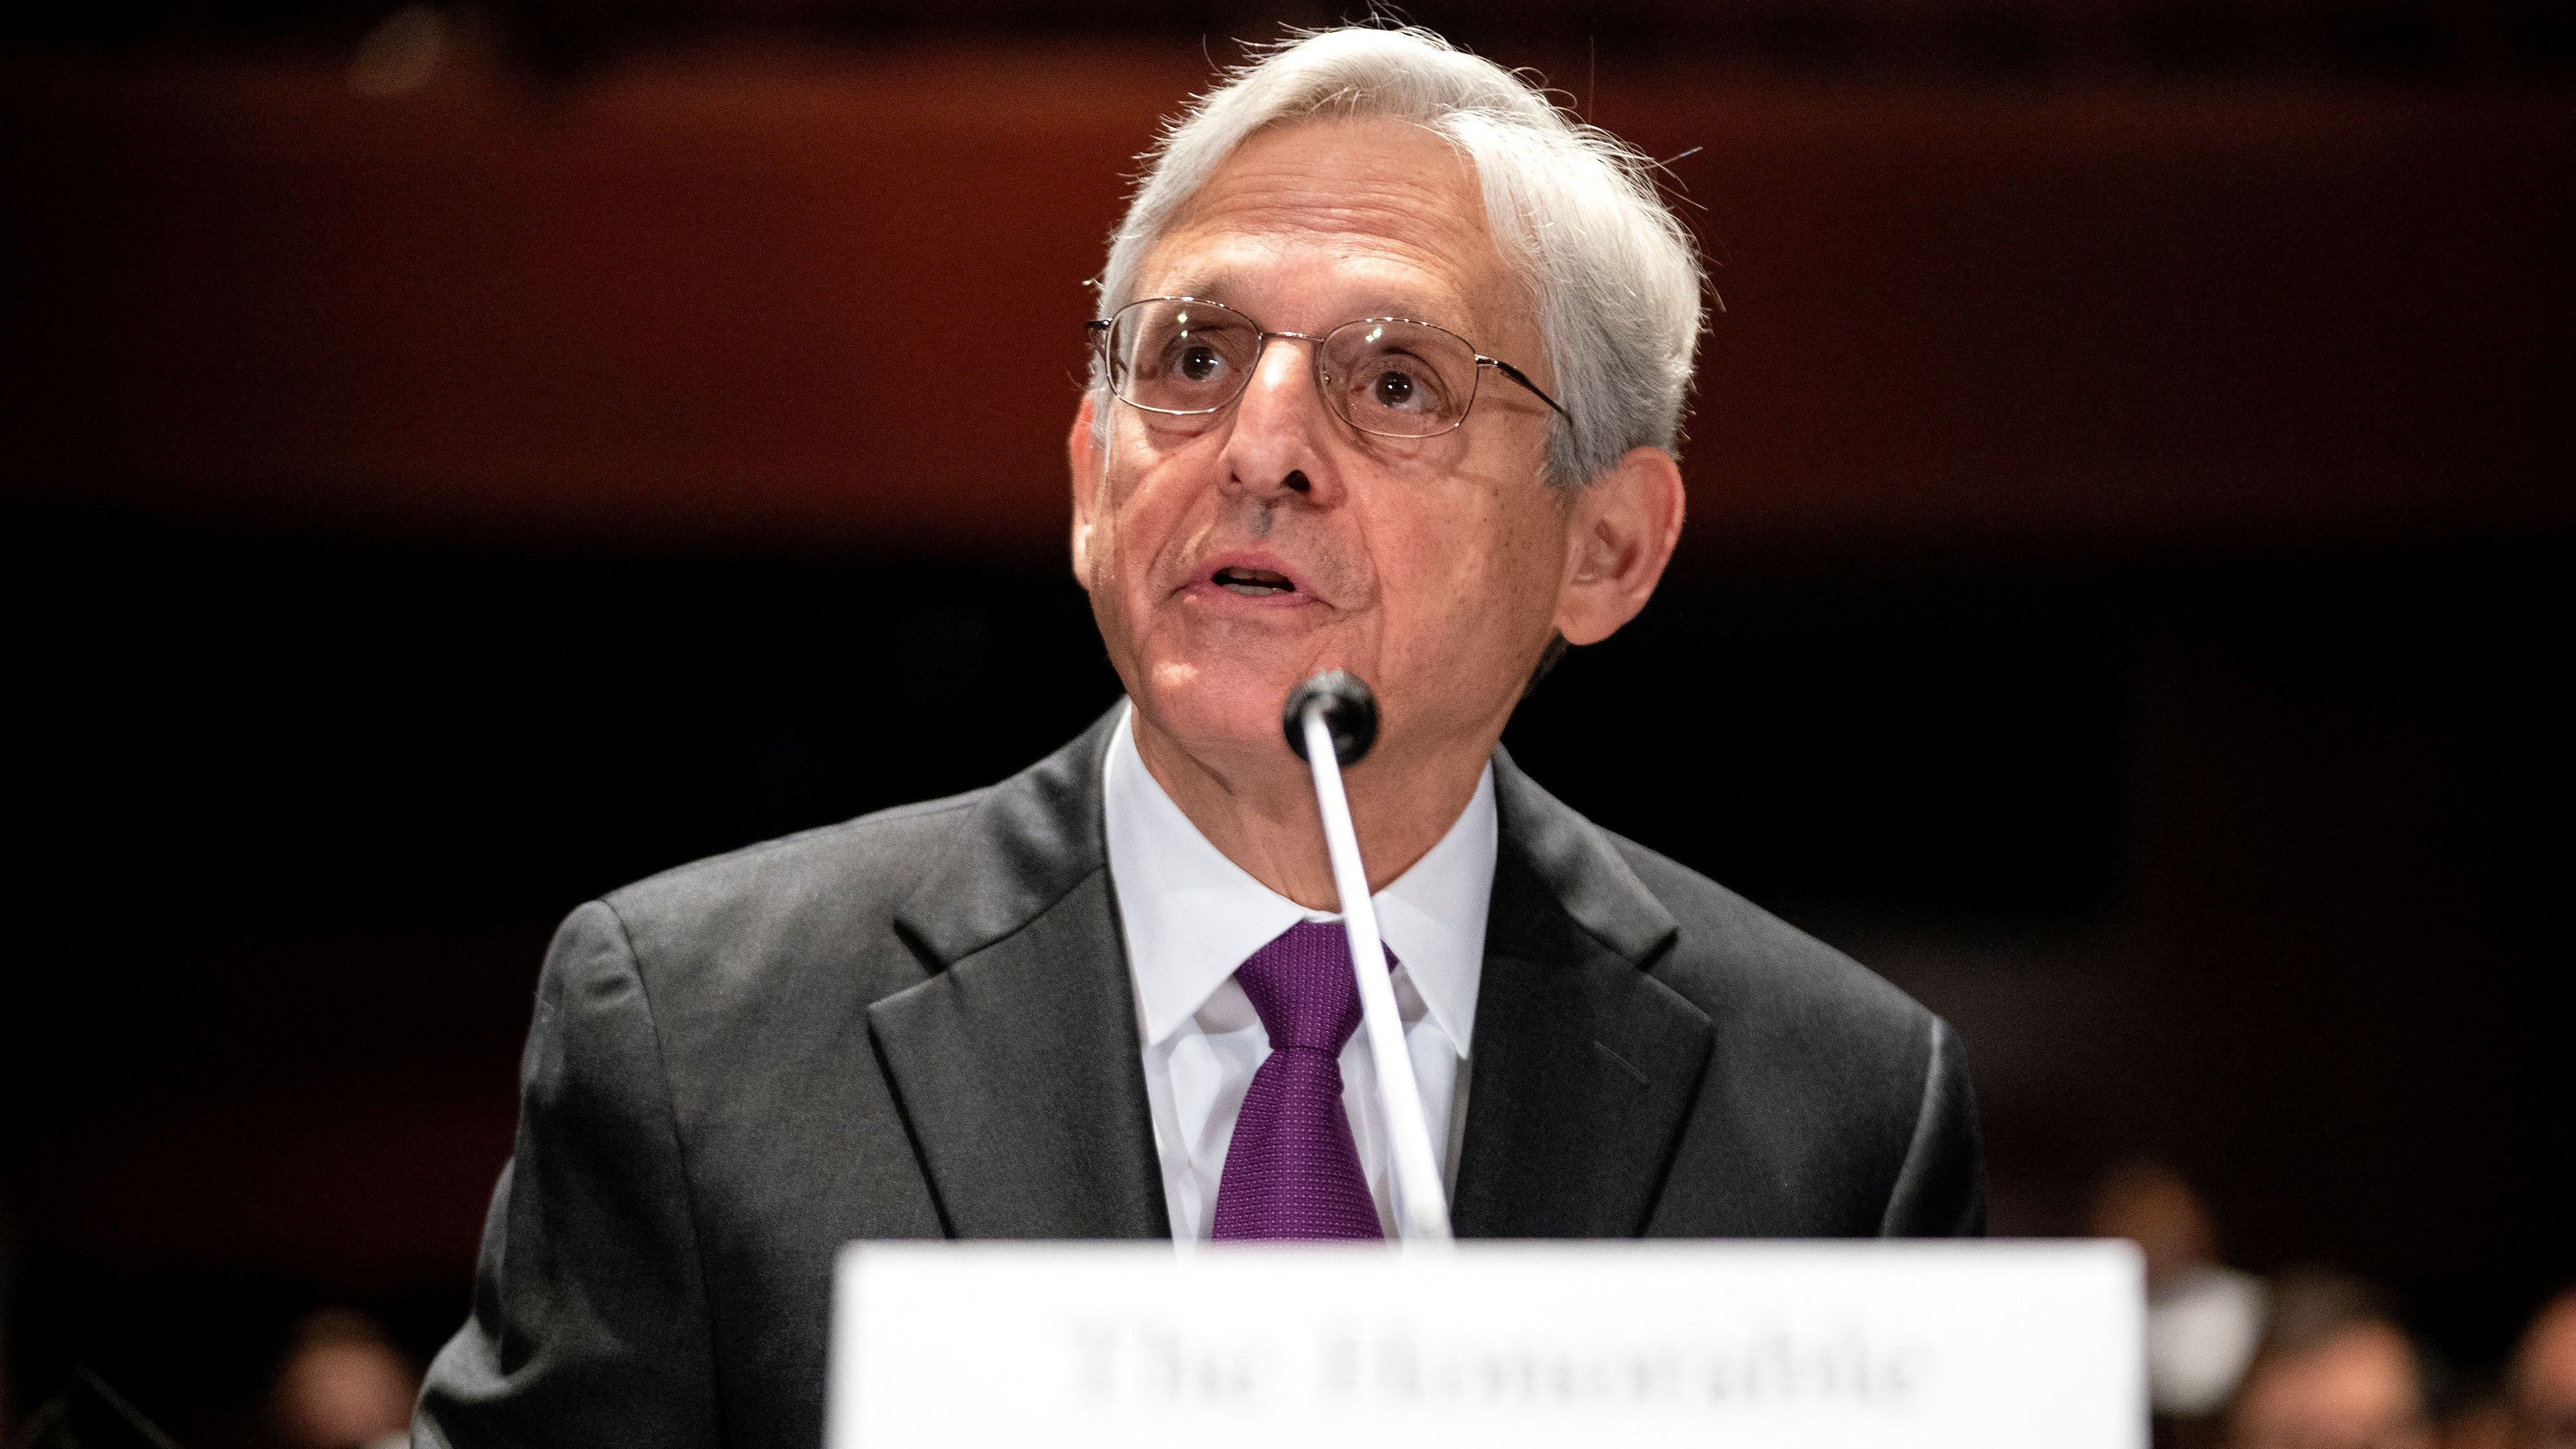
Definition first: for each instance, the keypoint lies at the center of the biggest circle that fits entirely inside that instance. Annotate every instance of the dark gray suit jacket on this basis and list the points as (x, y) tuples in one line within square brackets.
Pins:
[(919, 1024)]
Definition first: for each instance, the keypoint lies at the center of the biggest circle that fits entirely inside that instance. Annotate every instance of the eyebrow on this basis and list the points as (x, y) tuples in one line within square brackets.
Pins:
[(1213, 287)]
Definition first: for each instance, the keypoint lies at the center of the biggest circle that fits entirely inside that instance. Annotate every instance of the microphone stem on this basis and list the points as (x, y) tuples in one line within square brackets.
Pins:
[(1422, 1207)]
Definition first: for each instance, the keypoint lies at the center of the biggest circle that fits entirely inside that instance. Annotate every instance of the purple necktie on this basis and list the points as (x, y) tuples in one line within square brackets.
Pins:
[(1292, 1170)]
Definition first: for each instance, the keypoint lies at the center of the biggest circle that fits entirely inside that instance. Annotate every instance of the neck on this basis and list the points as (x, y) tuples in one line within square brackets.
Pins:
[(1263, 816)]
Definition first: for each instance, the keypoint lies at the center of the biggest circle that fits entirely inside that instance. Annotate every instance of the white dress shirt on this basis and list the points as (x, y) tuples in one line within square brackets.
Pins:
[(1191, 916)]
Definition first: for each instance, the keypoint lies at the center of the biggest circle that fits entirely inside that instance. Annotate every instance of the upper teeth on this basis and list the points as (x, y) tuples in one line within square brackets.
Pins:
[(1255, 581)]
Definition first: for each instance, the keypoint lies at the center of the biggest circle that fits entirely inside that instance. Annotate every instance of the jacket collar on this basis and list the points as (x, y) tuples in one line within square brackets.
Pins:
[(1016, 1066), (1586, 1066), (1574, 862), (1014, 1063), (1031, 840)]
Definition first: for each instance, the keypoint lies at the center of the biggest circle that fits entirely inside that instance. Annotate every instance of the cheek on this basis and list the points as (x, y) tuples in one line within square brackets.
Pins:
[(1152, 500), (1136, 511), (1482, 588)]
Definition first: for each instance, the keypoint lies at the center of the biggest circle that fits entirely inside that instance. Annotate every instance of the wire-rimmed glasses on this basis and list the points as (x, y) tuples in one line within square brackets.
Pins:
[(1186, 357)]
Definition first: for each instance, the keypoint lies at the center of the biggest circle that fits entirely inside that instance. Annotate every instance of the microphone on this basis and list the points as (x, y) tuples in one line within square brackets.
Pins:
[(1331, 720), (1350, 715)]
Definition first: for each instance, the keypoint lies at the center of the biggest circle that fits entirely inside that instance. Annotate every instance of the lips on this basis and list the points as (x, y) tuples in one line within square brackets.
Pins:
[(1257, 579), (1252, 583)]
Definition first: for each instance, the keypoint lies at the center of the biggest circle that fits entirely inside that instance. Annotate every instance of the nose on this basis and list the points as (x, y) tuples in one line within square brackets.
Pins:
[(1280, 423)]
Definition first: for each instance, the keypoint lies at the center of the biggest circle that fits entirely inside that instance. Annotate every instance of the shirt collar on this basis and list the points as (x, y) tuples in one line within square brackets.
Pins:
[(1192, 915)]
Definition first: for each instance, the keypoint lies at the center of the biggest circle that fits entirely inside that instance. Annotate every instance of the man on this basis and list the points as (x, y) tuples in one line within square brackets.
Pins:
[(2334, 1371), (1387, 378), (2204, 1319)]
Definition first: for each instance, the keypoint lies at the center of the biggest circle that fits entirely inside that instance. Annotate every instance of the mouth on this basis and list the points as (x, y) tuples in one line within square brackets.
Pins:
[(1252, 583)]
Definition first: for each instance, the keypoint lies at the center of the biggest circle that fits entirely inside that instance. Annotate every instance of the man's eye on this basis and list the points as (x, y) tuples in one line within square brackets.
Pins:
[(1197, 362), (1403, 389)]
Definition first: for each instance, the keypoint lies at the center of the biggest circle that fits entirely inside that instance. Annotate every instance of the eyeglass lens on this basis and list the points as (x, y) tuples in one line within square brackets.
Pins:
[(1394, 378)]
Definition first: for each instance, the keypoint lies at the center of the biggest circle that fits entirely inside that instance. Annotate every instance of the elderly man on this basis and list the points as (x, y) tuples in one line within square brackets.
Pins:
[(1387, 378)]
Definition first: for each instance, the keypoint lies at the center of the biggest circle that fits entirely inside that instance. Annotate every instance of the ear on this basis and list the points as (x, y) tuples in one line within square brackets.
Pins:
[(1620, 532), (1082, 451)]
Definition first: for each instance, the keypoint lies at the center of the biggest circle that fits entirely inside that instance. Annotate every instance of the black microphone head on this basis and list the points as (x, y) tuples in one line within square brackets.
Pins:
[(1350, 712)]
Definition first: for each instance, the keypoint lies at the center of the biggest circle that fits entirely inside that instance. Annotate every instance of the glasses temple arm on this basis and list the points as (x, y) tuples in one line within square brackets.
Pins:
[(1516, 375)]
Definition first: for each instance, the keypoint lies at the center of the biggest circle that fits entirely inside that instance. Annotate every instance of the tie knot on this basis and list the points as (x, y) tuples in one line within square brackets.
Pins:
[(1302, 987)]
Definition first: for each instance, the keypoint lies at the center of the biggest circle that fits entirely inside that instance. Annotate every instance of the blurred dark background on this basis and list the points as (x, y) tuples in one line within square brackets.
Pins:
[(458, 459)]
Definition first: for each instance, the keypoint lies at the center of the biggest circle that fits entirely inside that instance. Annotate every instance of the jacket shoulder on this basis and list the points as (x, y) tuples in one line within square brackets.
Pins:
[(1735, 958), (1834, 1104), (882, 846), (826, 895)]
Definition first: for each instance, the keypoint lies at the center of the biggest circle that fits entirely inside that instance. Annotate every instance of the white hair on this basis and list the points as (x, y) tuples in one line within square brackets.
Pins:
[(1614, 274)]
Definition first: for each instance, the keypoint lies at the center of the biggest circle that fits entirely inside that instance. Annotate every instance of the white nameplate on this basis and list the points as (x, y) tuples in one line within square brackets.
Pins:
[(1747, 1345)]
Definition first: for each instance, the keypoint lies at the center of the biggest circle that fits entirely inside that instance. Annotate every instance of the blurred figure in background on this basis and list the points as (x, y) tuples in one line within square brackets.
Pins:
[(2203, 1320), (343, 1385), (2533, 1406), (2544, 1379), (2334, 1371), (2480, 1418)]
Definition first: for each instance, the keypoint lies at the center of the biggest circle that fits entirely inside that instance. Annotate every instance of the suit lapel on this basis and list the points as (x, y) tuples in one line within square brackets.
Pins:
[(1585, 1066), (1015, 1064)]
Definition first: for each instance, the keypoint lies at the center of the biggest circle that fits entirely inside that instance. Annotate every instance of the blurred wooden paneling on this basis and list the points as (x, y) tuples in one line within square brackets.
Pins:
[(833, 299)]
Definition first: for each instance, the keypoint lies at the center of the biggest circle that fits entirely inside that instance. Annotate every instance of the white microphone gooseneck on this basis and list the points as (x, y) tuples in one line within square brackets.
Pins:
[(1422, 1207)]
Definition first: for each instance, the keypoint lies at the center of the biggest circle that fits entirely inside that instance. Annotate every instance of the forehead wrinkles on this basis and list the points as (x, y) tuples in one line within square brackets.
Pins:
[(1365, 191)]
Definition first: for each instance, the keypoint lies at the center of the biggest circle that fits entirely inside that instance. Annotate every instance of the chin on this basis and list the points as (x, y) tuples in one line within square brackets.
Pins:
[(1223, 707)]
